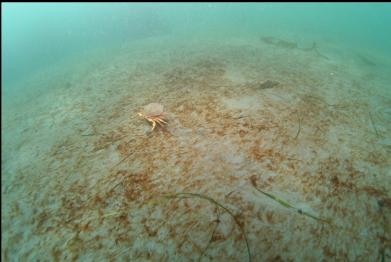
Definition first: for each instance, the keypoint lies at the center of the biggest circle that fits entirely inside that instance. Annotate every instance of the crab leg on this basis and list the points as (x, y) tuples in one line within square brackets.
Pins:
[(160, 121), (153, 125)]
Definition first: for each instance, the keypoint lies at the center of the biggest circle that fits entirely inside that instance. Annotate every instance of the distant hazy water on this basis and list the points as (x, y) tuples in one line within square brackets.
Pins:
[(36, 35)]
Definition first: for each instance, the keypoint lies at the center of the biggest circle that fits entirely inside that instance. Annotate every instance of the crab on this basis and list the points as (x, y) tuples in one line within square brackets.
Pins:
[(154, 113)]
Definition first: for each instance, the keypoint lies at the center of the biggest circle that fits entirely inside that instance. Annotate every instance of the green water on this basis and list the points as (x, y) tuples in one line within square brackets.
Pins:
[(37, 35), (275, 145)]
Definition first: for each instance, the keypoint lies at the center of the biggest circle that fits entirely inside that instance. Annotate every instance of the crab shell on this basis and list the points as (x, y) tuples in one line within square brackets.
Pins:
[(153, 109)]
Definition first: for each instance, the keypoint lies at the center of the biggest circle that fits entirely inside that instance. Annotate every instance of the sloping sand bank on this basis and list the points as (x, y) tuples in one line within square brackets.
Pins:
[(84, 179)]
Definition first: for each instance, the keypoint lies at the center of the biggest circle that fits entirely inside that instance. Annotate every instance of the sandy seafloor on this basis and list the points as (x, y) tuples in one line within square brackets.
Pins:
[(83, 178)]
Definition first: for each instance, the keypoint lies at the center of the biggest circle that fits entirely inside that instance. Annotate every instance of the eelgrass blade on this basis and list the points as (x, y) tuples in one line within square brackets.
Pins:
[(286, 204), (191, 195)]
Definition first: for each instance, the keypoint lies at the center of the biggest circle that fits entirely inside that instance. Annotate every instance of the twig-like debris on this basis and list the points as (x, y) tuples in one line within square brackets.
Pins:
[(126, 157), (123, 159), (230, 193)]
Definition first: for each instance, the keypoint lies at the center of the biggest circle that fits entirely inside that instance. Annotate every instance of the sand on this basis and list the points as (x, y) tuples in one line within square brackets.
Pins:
[(83, 178)]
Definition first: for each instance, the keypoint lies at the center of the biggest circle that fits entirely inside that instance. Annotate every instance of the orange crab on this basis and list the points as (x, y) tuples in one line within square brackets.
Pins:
[(154, 113)]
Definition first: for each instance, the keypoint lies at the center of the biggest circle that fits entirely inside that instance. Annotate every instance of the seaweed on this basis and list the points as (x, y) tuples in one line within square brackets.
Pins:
[(292, 45), (298, 130), (90, 134), (286, 204), (211, 236), (317, 98), (184, 195)]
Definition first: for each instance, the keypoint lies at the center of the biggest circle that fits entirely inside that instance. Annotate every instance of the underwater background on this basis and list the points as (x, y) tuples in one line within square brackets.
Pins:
[(276, 146)]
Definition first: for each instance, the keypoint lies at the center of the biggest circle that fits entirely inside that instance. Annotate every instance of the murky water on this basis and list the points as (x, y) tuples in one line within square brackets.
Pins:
[(276, 144)]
